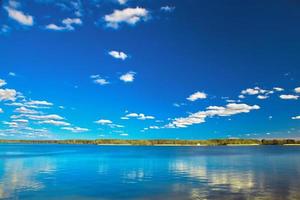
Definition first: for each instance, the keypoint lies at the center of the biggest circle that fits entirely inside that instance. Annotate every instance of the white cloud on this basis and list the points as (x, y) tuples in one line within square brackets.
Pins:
[(39, 103), (129, 15), (18, 104), (211, 111), (297, 117), (196, 96), (167, 8), (12, 124), (104, 121), (289, 97), (99, 80), (254, 91), (123, 134), (8, 94), (122, 2), (128, 77), (2, 82), (55, 27), (297, 90), (154, 127), (55, 123), (45, 117), (250, 91), (71, 21), (261, 93), (24, 121), (139, 116), (1, 110), (262, 97), (19, 16), (278, 89), (75, 129), (232, 101), (67, 24), (230, 109), (118, 54), (25, 110), (95, 76)]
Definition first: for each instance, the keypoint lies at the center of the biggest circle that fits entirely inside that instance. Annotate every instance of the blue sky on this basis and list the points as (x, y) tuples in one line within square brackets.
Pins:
[(143, 69)]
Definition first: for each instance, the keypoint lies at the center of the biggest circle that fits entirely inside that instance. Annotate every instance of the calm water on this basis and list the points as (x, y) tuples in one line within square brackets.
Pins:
[(124, 172)]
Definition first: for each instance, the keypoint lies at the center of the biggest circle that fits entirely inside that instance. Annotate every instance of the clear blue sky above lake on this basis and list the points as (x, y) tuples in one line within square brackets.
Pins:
[(149, 69)]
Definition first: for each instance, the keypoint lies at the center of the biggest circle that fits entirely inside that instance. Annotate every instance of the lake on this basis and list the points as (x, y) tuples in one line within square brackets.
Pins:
[(140, 172)]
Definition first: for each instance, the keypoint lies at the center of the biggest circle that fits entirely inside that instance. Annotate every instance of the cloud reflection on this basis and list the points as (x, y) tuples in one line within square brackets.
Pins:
[(22, 174)]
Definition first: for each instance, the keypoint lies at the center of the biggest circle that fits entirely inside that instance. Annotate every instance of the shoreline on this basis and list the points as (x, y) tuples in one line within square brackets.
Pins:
[(163, 142), (155, 145)]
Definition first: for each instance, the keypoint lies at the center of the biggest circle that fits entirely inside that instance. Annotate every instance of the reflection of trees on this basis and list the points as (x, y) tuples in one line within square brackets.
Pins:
[(21, 174)]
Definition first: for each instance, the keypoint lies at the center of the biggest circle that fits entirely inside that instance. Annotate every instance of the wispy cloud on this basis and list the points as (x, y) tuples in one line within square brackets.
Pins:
[(24, 110), (99, 80), (211, 111), (67, 25), (12, 74), (75, 129), (167, 8), (107, 122), (45, 117), (39, 103), (4, 29), (2, 82), (55, 123)]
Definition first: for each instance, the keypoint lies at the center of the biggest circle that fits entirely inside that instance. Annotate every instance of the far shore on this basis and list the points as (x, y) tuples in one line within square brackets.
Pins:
[(243, 144), (163, 142)]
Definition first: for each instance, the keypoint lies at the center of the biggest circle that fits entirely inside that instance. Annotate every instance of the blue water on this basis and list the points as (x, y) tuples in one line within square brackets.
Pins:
[(125, 172)]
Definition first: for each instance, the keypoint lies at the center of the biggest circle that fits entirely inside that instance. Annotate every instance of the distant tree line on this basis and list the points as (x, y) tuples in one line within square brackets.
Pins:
[(213, 142)]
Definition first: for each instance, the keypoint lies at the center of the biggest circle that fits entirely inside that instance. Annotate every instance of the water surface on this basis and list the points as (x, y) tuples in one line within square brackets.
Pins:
[(136, 172)]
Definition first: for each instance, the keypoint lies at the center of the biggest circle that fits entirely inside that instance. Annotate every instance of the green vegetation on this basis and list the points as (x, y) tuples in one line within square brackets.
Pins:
[(213, 142)]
